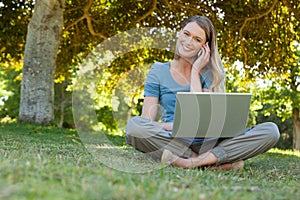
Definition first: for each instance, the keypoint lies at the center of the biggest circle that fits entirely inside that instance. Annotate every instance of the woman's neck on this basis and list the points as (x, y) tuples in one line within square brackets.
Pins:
[(182, 65)]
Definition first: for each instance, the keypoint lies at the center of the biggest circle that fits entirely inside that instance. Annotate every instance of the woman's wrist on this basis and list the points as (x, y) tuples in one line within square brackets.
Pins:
[(196, 72), (195, 75), (168, 126)]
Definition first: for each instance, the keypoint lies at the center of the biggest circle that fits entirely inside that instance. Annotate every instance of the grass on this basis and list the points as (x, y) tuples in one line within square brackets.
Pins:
[(50, 163)]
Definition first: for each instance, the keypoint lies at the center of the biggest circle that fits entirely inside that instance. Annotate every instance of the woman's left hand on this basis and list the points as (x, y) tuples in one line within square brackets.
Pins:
[(202, 60), (168, 126)]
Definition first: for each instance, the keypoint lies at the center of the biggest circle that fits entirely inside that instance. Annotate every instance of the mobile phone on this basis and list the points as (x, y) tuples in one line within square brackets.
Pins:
[(200, 53)]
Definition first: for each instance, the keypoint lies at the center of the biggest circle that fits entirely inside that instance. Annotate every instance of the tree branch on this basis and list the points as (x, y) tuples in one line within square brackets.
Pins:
[(74, 23), (247, 20), (73, 9), (87, 17), (149, 12), (89, 20)]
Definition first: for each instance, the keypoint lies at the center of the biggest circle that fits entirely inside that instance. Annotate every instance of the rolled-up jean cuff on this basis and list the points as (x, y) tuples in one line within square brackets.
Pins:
[(220, 153)]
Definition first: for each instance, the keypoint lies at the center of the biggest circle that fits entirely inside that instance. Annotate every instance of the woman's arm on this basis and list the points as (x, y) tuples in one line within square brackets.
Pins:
[(149, 111), (150, 106), (196, 85)]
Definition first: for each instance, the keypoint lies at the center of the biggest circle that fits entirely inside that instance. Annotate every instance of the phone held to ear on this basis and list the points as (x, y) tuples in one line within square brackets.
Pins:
[(200, 53)]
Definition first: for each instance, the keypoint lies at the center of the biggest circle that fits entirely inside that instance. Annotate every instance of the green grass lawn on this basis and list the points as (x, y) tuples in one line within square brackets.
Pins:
[(50, 163)]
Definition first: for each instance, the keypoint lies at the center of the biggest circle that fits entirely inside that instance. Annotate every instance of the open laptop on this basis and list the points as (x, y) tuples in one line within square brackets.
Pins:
[(206, 115)]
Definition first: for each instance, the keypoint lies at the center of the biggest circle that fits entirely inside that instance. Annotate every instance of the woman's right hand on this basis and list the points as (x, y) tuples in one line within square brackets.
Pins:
[(202, 60)]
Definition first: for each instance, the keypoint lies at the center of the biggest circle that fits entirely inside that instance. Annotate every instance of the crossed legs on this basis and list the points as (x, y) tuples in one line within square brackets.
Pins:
[(146, 136)]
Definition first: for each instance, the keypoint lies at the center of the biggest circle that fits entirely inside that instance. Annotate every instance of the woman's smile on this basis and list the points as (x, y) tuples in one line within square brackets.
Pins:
[(187, 48)]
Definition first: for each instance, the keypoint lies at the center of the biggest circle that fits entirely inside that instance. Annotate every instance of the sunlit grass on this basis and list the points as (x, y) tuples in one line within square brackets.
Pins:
[(286, 152), (50, 163)]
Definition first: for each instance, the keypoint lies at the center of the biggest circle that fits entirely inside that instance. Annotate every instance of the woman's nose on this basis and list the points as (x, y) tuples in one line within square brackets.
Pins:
[(189, 39)]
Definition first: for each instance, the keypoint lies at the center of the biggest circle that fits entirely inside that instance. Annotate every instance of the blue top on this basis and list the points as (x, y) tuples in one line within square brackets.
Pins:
[(159, 83)]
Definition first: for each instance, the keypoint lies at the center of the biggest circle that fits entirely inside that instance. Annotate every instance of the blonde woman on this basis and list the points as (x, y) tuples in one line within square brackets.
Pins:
[(196, 67)]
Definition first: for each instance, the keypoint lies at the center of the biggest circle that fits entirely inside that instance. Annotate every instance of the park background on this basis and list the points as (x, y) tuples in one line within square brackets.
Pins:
[(259, 44)]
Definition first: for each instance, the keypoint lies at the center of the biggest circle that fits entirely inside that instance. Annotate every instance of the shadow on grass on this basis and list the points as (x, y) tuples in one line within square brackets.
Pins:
[(112, 150)]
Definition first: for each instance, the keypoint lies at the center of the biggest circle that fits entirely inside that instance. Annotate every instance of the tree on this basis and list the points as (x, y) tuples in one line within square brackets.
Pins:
[(42, 42), (263, 34)]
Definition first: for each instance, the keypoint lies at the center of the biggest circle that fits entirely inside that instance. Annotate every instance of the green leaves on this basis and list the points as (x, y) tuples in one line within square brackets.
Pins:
[(263, 36)]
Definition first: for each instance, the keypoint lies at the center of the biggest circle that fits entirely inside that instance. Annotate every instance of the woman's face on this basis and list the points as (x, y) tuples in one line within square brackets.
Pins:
[(190, 41)]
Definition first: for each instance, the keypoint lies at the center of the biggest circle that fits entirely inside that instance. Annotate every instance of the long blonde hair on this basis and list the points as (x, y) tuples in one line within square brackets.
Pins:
[(214, 65)]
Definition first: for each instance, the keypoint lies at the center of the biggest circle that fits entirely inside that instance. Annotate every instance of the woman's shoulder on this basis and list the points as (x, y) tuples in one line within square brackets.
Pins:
[(158, 70), (160, 66)]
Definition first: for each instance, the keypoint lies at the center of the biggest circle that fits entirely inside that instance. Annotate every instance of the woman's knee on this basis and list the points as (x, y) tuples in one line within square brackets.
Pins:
[(272, 130), (134, 126), (132, 130)]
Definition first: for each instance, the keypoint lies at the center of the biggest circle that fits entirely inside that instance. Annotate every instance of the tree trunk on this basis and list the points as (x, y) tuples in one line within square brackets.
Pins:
[(42, 42), (296, 129)]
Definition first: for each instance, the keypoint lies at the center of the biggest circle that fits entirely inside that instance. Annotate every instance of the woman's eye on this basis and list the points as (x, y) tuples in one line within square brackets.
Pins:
[(187, 34)]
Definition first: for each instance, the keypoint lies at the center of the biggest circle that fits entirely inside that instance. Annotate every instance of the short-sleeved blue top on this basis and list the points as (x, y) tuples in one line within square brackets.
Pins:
[(159, 83)]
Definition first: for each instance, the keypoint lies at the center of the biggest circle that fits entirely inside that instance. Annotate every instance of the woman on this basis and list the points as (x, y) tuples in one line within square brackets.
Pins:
[(196, 67)]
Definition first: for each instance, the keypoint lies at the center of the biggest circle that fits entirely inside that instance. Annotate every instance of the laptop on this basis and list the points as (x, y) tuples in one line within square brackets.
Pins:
[(210, 115)]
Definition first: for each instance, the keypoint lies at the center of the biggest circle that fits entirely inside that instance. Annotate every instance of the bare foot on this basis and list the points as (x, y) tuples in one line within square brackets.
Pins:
[(205, 159), (237, 166), (168, 158)]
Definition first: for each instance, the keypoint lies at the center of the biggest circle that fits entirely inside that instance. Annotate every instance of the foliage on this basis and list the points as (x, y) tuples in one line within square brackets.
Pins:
[(263, 35), (270, 102), (260, 33), (14, 15), (9, 89), (50, 163), (285, 126), (272, 25), (63, 110)]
